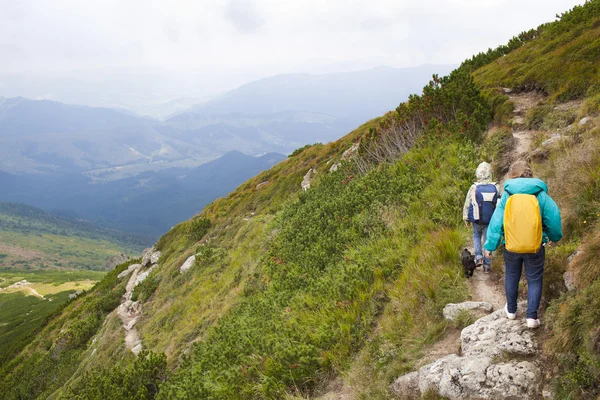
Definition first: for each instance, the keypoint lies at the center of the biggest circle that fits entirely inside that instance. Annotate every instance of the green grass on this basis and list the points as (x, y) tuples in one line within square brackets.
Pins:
[(561, 61), (29, 251)]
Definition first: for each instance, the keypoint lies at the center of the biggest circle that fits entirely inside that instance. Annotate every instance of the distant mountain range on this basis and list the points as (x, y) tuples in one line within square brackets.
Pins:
[(144, 175), (149, 203)]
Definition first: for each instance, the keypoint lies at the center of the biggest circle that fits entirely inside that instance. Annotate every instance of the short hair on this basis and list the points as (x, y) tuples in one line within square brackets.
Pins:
[(520, 169)]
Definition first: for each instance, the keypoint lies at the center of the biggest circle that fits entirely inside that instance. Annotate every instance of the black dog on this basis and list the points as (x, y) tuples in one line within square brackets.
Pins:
[(468, 262)]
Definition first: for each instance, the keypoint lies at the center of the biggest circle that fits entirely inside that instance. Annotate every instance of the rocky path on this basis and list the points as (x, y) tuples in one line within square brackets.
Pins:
[(498, 357), (129, 311)]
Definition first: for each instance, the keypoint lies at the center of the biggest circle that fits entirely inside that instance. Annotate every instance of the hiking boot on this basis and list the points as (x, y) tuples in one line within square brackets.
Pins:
[(487, 270), (479, 263), (512, 315), (533, 323)]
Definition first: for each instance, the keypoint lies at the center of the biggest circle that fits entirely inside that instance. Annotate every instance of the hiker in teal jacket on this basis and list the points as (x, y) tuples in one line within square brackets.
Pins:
[(522, 182)]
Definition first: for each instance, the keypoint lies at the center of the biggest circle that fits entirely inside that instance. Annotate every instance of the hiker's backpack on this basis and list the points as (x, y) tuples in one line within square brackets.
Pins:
[(523, 223), (486, 197)]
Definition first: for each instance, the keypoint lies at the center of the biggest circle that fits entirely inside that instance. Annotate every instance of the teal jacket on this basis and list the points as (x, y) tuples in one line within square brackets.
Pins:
[(550, 213)]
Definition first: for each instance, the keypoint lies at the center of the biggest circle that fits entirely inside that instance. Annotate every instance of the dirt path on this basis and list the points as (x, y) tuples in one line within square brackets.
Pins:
[(488, 287)]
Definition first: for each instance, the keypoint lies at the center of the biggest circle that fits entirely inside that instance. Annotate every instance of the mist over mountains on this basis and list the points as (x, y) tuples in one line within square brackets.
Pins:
[(143, 174)]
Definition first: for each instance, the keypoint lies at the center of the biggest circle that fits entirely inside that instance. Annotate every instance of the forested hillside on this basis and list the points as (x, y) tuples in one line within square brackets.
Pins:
[(336, 290)]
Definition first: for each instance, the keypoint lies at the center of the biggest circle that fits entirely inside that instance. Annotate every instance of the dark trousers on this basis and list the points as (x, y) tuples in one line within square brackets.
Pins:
[(534, 271)]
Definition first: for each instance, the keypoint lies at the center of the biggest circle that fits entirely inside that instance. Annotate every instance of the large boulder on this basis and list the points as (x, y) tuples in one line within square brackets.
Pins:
[(150, 256), (475, 308), (484, 370)]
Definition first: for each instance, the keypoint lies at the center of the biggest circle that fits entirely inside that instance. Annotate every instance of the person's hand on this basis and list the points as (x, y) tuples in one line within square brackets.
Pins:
[(467, 224), (488, 254), (551, 244)]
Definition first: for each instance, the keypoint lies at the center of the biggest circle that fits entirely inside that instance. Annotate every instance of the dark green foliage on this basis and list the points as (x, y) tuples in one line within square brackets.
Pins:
[(48, 367), (136, 381), (301, 149), (198, 228)]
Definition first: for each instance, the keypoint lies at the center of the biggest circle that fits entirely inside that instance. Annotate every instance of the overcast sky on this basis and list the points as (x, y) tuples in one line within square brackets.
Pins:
[(258, 36)]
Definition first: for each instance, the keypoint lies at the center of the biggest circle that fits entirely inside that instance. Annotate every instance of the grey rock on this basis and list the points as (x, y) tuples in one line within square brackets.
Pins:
[(262, 184), (137, 349), (187, 264), (553, 139), (351, 152), (129, 269), (407, 386), (115, 260), (494, 334), (155, 257), (506, 90), (131, 323), (515, 379), (146, 254), (477, 374), (142, 277), (477, 308), (308, 179), (569, 282), (74, 295), (584, 121), (335, 167)]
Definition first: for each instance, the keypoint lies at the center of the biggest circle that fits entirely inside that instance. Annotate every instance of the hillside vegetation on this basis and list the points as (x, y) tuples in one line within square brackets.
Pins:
[(291, 289)]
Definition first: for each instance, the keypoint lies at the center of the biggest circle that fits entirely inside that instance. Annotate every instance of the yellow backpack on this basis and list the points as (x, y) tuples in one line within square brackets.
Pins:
[(523, 224)]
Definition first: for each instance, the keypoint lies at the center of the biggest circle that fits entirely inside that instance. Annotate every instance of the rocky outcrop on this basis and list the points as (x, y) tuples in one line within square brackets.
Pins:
[(496, 363), (150, 256), (142, 276), (129, 269), (129, 311), (475, 308), (115, 260), (308, 179), (187, 264)]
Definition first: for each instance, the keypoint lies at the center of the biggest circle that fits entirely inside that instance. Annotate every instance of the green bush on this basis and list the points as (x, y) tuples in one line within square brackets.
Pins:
[(138, 381)]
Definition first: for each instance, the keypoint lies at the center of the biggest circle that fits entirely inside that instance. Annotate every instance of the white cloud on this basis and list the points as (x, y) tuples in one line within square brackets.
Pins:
[(258, 36)]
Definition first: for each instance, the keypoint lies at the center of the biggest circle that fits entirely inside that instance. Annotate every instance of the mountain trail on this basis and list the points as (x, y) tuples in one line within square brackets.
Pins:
[(129, 312), (523, 102)]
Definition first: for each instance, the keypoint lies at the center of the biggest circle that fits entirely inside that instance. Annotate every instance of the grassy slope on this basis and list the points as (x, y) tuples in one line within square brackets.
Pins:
[(281, 301)]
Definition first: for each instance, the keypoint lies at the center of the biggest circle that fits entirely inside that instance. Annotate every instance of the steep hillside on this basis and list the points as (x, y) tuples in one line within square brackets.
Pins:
[(338, 289)]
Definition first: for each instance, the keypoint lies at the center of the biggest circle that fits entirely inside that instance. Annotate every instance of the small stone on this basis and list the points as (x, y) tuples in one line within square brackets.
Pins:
[(585, 121), (506, 90), (452, 311), (569, 282), (137, 349), (142, 277), (262, 184), (307, 179), (335, 167), (351, 152), (187, 264)]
